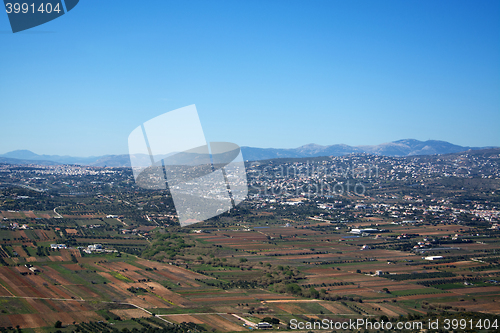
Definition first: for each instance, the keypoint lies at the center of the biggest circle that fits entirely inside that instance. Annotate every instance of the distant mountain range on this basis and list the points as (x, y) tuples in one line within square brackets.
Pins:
[(407, 147)]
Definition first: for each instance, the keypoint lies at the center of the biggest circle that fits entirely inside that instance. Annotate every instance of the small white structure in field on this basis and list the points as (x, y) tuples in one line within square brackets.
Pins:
[(264, 325), (433, 258)]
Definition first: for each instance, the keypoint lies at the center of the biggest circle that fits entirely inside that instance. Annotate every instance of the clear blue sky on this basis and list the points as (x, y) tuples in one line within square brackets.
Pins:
[(261, 73)]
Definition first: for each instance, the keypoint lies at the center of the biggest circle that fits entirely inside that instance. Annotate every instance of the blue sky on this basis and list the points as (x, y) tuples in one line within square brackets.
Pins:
[(261, 73)]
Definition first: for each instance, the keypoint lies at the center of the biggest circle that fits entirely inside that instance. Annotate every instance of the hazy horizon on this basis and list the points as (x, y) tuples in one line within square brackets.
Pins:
[(279, 148)]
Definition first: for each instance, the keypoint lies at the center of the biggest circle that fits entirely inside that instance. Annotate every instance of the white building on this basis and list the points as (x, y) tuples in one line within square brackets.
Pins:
[(433, 258)]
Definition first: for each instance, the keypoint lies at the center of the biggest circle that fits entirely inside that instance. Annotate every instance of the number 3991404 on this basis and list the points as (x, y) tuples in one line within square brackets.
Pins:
[(24, 8)]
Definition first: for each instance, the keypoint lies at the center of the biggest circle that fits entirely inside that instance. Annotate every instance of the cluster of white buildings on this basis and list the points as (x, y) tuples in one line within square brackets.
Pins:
[(93, 248)]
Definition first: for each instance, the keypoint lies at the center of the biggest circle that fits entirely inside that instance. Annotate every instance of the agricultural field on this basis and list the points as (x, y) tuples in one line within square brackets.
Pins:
[(318, 272)]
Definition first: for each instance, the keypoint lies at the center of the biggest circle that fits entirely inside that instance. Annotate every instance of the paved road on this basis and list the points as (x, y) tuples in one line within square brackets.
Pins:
[(59, 216), (247, 322)]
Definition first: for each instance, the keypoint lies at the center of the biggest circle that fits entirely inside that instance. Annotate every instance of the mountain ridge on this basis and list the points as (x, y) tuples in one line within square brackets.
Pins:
[(404, 147)]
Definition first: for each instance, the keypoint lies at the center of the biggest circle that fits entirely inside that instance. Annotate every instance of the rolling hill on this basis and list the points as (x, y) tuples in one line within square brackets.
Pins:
[(406, 147)]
